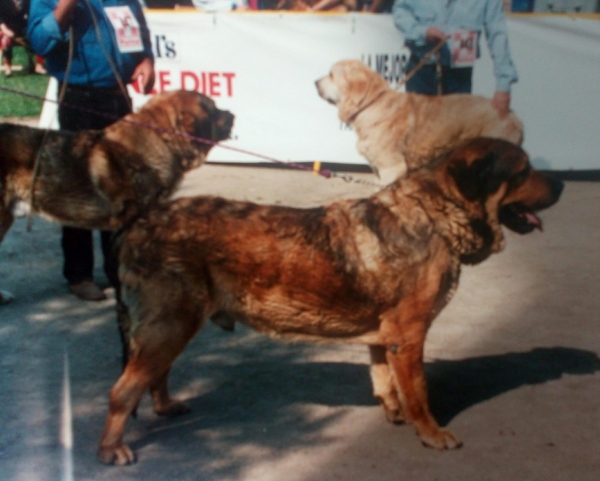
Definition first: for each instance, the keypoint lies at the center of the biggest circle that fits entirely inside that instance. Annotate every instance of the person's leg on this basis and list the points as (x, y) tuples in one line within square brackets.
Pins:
[(77, 244), (424, 80), (78, 255), (39, 65), (111, 262), (7, 55)]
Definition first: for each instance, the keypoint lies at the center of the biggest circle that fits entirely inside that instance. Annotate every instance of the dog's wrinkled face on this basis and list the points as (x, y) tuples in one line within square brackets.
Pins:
[(199, 117), (351, 86), (498, 175)]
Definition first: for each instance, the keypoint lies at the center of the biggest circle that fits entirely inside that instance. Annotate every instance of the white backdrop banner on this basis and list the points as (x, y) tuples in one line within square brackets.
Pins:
[(263, 67)]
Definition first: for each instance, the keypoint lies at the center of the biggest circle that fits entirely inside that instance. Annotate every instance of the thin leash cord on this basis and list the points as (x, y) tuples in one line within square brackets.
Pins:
[(36, 165)]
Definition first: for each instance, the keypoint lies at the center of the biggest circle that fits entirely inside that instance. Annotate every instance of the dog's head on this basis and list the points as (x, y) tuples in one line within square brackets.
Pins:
[(495, 184), (352, 87), (192, 114)]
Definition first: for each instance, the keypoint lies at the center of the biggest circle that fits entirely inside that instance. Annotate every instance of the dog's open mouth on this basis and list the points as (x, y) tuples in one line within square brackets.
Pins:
[(519, 218)]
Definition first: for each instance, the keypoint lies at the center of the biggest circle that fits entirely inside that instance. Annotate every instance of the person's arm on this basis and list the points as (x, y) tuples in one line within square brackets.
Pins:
[(43, 29), (408, 22), (496, 32), (145, 72), (6, 31), (63, 13), (145, 69)]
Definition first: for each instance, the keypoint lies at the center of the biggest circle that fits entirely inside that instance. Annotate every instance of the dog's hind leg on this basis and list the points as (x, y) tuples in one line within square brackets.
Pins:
[(161, 335), (124, 325), (383, 385), (163, 404), (124, 397)]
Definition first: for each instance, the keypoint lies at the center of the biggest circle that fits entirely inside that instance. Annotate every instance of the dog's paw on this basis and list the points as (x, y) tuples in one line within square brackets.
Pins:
[(441, 439), (6, 297), (119, 456), (173, 408)]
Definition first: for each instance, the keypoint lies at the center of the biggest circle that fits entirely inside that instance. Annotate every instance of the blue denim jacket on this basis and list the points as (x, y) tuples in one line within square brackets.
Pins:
[(414, 17), (89, 65)]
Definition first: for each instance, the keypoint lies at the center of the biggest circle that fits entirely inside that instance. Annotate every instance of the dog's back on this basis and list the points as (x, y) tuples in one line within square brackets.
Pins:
[(467, 116)]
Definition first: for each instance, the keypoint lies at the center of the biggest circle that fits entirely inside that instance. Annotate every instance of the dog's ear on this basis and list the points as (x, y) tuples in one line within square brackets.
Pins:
[(481, 177), (361, 86), (187, 122), (352, 89)]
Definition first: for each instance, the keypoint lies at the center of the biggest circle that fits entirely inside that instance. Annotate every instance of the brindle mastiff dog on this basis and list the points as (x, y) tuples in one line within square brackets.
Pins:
[(102, 179), (375, 271)]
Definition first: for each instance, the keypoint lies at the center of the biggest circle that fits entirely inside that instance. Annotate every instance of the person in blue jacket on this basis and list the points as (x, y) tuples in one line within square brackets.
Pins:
[(111, 48), (424, 23)]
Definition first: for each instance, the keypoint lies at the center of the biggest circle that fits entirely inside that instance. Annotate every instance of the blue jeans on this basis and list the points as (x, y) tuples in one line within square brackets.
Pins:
[(454, 80)]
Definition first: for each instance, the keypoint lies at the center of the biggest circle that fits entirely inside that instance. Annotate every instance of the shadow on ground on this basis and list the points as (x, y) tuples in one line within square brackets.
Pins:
[(457, 385)]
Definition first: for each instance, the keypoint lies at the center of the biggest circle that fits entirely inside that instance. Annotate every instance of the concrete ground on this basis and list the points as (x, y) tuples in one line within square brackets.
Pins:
[(512, 366)]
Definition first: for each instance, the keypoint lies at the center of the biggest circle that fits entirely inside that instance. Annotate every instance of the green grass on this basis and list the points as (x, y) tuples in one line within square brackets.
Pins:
[(14, 105)]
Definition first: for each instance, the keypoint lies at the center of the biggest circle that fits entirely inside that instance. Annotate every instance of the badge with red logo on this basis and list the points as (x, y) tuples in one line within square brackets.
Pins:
[(127, 29), (464, 48)]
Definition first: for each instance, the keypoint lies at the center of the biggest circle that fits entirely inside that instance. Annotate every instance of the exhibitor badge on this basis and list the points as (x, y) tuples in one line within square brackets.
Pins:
[(127, 29), (463, 48)]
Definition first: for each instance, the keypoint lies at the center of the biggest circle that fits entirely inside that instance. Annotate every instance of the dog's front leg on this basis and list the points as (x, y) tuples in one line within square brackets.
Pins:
[(124, 398), (403, 331), (384, 388), (404, 354), (163, 403)]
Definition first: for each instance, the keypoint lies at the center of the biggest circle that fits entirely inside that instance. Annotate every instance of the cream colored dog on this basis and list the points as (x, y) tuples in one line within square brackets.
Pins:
[(398, 132)]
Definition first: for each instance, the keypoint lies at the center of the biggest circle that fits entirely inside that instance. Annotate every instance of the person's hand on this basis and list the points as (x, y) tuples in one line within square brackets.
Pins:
[(501, 102), (63, 13), (434, 35), (145, 73)]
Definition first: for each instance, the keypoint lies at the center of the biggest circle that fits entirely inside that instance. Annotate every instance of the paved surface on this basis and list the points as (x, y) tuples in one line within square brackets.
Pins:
[(512, 365)]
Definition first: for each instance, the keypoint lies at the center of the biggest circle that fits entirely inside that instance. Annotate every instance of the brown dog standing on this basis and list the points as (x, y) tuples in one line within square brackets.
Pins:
[(103, 179), (375, 271)]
